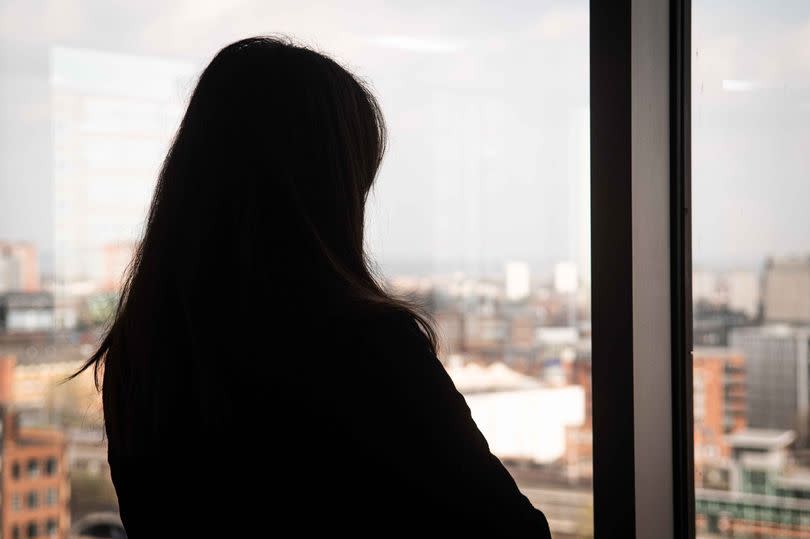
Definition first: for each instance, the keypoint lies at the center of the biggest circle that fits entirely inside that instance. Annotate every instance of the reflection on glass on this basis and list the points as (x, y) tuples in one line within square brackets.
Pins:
[(481, 213), (751, 285)]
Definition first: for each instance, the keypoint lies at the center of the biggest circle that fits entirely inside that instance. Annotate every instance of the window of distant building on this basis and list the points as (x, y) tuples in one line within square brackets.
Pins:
[(50, 466), (15, 470), (50, 527), (758, 481), (32, 529), (15, 532), (33, 468), (33, 499), (15, 502), (51, 496)]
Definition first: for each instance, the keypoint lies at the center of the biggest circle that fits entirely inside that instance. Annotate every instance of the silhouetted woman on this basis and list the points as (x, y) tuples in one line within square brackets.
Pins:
[(256, 379)]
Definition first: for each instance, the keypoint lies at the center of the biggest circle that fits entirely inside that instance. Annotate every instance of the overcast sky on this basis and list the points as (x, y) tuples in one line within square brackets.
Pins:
[(484, 102)]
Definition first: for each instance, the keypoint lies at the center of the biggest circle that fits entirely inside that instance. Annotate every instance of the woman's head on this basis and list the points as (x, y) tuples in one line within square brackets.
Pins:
[(258, 212), (281, 139)]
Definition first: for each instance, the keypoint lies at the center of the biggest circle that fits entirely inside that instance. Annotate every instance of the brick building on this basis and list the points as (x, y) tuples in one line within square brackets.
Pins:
[(33, 477), (19, 267), (719, 390), (578, 460)]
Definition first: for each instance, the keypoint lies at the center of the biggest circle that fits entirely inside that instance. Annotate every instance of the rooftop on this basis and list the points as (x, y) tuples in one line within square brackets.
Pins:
[(474, 378), (797, 479), (773, 330), (715, 352), (761, 438)]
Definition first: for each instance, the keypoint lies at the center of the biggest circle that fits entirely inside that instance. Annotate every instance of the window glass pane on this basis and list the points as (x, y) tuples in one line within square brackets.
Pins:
[(751, 282), (480, 212)]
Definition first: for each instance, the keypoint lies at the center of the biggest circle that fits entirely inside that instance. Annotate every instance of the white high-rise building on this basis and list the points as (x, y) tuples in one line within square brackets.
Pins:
[(742, 288), (705, 286), (518, 280), (113, 118), (566, 277)]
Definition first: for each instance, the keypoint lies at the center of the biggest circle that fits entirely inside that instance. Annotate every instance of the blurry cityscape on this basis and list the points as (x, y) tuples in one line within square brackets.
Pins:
[(516, 345)]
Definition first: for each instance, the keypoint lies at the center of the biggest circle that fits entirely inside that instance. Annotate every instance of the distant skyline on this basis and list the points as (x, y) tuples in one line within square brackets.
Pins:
[(481, 101)]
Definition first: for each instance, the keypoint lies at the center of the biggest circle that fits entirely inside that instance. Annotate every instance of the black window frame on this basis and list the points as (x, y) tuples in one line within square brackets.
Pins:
[(640, 53), (33, 468), (32, 499)]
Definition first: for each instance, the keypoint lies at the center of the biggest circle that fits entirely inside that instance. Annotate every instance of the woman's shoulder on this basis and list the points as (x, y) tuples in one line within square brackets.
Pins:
[(387, 325)]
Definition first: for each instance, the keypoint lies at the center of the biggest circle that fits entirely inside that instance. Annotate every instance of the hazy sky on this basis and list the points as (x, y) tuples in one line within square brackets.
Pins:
[(484, 102)]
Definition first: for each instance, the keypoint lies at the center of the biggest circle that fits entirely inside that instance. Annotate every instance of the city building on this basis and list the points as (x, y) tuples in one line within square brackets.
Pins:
[(578, 459), (566, 277), (511, 409), (777, 362), (742, 292), (786, 290), (449, 326), (706, 287), (19, 267), (34, 484), (757, 492), (719, 396), (712, 323), (517, 281), (26, 312), (485, 335), (112, 117)]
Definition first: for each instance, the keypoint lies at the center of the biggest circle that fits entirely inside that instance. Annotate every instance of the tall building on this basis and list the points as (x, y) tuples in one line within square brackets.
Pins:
[(518, 280), (742, 291), (113, 117), (786, 290), (705, 287), (34, 483), (566, 277), (19, 267), (719, 393), (777, 362)]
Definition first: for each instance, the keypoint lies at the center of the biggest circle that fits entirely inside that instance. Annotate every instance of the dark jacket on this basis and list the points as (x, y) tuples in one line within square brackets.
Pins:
[(351, 428)]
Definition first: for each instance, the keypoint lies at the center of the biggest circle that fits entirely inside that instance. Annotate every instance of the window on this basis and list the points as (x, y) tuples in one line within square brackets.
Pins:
[(51, 496), (491, 136), (751, 249), (32, 499), (51, 527), (481, 209), (31, 529), (16, 505), (33, 468), (15, 532)]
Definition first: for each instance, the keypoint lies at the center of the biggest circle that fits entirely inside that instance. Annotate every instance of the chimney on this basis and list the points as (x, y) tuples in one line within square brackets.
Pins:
[(7, 364)]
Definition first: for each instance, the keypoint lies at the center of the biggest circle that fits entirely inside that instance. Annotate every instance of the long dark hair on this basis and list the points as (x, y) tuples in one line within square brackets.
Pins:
[(259, 208)]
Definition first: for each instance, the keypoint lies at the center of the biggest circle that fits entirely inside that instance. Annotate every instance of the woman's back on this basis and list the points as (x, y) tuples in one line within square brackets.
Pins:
[(344, 425)]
